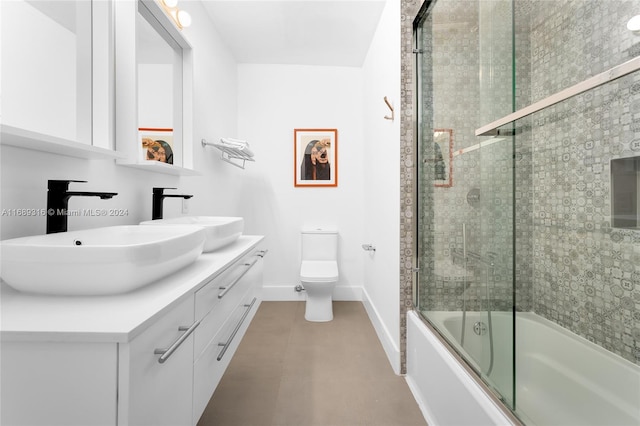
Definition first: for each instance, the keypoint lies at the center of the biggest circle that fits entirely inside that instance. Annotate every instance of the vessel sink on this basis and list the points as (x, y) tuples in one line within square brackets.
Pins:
[(99, 261), (220, 231)]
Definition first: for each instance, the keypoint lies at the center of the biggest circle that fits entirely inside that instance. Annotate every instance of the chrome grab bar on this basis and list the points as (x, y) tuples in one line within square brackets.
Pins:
[(225, 289), (166, 353), (226, 344)]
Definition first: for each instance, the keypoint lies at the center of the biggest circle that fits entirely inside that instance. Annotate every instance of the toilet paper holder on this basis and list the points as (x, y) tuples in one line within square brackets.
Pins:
[(369, 247)]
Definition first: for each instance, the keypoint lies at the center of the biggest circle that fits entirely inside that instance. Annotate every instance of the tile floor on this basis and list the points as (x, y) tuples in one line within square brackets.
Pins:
[(288, 371)]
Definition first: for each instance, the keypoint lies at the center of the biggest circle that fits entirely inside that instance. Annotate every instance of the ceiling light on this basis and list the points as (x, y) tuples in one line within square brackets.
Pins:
[(181, 18), (634, 24), (184, 19)]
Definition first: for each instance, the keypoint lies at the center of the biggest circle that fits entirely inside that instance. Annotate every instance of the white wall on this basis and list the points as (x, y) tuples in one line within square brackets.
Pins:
[(382, 181), (24, 173), (273, 100)]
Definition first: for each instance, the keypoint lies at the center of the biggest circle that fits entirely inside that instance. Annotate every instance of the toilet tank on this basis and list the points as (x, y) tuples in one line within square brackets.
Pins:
[(319, 244)]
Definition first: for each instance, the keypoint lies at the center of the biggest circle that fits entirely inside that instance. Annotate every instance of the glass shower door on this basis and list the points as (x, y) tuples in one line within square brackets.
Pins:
[(465, 184)]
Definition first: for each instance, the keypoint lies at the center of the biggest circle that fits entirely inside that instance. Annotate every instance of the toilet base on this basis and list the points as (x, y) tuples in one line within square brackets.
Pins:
[(319, 308)]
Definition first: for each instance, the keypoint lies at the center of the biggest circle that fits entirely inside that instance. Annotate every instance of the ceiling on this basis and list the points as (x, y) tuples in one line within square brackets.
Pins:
[(304, 32)]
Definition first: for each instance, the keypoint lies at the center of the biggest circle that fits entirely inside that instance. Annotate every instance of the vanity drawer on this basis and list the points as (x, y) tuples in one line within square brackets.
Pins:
[(209, 295), (217, 300), (156, 371), (210, 367)]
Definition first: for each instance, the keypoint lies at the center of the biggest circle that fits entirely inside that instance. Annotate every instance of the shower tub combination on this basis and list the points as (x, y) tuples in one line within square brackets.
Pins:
[(538, 226), (560, 378)]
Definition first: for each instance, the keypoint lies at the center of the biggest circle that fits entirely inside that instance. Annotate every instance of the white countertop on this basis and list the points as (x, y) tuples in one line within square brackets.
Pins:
[(115, 318)]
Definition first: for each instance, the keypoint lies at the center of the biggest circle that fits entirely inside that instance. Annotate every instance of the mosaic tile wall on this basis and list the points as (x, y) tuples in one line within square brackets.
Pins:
[(586, 273), (573, 267)]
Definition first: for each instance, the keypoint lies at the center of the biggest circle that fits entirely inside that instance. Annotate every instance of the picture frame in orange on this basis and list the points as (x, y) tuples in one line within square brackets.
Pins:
[(315, 157), (443, 157)]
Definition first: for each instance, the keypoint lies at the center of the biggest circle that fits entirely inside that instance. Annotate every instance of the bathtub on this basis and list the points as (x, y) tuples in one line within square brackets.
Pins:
[(561, 378)]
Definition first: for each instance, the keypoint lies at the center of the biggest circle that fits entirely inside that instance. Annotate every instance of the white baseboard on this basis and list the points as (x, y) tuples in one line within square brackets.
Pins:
[(287, 293), (390, 347)]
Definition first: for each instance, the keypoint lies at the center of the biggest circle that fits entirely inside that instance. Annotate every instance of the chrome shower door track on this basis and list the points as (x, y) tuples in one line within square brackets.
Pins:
[(588, 84)]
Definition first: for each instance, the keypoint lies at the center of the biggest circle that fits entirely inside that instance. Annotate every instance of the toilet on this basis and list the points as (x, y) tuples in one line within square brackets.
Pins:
[(319, 272)]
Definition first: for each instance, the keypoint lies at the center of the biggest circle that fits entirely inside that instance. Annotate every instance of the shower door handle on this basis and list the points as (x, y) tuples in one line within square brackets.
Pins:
[(464, 241)]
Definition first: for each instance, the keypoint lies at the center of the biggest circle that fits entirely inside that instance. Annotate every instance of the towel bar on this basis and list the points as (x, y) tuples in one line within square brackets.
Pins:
[(231, 152)]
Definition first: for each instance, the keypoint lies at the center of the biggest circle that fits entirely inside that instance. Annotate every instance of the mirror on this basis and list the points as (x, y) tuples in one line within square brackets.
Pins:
[(159, 76), (47, 57)]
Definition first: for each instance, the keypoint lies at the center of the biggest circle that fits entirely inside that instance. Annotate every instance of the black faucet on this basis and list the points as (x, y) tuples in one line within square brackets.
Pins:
[(58, 202), (159, 196)]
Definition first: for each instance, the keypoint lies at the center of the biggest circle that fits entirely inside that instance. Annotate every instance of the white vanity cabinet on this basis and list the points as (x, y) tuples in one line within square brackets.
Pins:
[(58, 383), (225, 306), (155, 371), (150, 357)]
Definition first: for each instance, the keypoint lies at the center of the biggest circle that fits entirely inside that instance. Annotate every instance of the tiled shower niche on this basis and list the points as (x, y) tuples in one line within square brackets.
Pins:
[(625, 188)]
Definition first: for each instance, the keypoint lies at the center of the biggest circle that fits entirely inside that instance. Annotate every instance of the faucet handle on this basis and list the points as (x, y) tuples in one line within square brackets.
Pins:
[(61, 184), (159, 191)]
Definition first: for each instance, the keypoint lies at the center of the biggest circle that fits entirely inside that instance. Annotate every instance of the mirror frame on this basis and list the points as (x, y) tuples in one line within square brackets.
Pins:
[(126, 103)]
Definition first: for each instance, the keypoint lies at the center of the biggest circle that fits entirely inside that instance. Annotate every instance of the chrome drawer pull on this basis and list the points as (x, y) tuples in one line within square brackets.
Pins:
[(262, 253), (225, 289), (166, 353), (235, 330)]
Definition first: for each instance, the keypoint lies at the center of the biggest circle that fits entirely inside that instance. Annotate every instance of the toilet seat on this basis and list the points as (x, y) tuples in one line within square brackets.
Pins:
[(319, 271)]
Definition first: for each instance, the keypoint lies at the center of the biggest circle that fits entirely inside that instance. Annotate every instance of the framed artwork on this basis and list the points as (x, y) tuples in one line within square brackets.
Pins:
[(443, 153), (315, 157), (157, 144)]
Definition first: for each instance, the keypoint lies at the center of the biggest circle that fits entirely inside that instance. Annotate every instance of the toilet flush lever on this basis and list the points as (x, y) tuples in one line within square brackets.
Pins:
[(369, 247)]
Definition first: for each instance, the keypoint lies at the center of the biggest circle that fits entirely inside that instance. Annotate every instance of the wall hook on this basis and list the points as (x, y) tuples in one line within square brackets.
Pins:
[(391, 108), (369, 247)]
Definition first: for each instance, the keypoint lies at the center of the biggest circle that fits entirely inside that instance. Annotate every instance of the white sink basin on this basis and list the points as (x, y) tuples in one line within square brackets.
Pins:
[(98, 261), (220, 230)]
